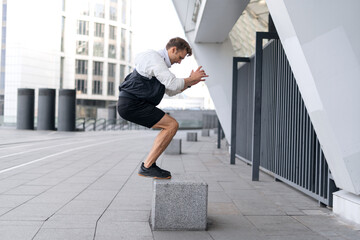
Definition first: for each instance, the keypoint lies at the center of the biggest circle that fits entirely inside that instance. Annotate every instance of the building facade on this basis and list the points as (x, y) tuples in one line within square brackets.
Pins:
[(320, 42), (83, 45)]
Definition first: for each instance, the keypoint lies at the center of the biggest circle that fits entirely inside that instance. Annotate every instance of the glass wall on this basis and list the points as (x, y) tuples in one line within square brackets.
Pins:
[(97, 77)]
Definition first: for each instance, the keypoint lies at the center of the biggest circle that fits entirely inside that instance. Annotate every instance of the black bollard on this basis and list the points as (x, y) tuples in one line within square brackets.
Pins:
[(25, 108), (46, 109), (67, 110), (112, 114)]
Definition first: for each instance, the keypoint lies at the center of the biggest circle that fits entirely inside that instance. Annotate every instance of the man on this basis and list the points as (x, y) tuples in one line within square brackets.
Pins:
[(144, 88)]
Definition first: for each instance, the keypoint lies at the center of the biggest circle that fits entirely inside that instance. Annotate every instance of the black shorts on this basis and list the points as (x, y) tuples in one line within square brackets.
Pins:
[(139, 112)]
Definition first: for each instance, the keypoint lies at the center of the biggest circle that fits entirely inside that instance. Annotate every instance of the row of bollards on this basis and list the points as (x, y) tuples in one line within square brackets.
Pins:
[(46, 109)]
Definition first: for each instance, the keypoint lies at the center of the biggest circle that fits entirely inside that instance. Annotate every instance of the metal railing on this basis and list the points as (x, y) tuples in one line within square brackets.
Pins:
[(289, 148), (101, 124)]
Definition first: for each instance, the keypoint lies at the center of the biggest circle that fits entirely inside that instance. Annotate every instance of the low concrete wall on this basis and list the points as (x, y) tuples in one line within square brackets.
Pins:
[(192, 119)]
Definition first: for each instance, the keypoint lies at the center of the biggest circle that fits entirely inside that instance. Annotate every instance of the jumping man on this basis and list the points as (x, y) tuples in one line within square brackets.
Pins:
[(143, 90)]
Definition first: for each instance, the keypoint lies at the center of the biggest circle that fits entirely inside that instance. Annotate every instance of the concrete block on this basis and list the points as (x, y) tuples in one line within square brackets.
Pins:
[(191, 136), (179, 203), (205, 132), (347, 205), (174, 147)]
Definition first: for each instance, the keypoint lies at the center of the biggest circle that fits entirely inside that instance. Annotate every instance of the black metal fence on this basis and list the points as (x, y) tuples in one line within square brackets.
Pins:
[(289, 147)]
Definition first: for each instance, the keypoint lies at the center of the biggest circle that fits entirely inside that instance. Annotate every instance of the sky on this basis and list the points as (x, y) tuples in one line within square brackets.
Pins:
[(154, 22)]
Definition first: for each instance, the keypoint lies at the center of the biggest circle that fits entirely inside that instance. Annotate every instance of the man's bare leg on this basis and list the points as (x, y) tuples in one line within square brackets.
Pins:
[(169, 127)]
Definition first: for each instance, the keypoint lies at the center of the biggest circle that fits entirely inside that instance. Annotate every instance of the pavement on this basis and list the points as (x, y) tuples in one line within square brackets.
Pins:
[(84, 185)]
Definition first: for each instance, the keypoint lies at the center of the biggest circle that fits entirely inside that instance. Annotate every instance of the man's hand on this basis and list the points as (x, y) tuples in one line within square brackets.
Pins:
[(195, 77)]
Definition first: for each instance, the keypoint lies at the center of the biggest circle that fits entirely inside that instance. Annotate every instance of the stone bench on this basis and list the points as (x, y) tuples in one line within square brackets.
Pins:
[(179, 203), (191, 136), (205, 132), (174, 147)]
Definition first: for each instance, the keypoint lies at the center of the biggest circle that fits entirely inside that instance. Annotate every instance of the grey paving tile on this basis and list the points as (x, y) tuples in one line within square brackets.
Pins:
[(4, 210), (76, 221), (27, 190), (216, 197), (176, 235), (224, 232), (18, 230), (11, 201), (34, 212), (81, 207), (125, 216), (65, 234), (235, 185), (214, 187), (257, 207), (278, 225), (83, 184), (222, 208), (123, 230), (97, 195)]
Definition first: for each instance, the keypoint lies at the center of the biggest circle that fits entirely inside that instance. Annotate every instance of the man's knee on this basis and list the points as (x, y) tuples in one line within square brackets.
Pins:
[(174, 126)]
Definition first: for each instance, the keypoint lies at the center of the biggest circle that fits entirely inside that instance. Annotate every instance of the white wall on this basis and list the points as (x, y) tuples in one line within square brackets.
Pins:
[(216, 59), (321, 40)]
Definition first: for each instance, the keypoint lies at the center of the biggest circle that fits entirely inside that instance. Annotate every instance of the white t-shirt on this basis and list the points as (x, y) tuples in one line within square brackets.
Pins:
[(153, 63)]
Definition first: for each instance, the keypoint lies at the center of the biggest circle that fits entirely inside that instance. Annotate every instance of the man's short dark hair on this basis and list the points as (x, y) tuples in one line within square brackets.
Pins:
[(180, 44)]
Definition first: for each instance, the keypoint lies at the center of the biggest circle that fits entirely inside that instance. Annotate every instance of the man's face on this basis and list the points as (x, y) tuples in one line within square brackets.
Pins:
[(176, 56)]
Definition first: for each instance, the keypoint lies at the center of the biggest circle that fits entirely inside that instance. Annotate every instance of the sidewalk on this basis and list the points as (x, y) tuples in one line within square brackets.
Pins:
[(58, 185)]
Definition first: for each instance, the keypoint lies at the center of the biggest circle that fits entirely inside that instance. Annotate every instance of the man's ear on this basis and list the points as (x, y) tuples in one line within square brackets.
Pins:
[(174, 50)]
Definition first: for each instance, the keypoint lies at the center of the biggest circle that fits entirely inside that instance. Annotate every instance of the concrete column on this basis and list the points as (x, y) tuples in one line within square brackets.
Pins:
[(46, 109), (25, 108), (67, 110)]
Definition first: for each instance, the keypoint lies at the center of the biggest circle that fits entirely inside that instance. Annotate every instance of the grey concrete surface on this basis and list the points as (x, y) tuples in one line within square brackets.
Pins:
[(84, 185), (179, 203), (205, 132)]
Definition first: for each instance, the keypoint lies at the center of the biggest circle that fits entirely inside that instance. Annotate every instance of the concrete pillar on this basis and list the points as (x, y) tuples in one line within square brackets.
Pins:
[(25, 108), (46, 109), (67, 110)]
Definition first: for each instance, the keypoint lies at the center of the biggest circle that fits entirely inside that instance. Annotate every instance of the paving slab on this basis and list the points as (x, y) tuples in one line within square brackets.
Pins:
[(84, 185)]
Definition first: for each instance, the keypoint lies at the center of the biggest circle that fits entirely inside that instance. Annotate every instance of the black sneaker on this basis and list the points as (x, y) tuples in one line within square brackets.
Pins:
[(154, 172), (162, 170)]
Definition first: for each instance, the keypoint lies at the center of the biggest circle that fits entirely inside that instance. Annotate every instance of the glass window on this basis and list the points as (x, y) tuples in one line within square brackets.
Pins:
[(123, 43), (111, 89), (99, 30), (63, 5), (112, 32), (82, 47), (98, 49), (84, 6), (81, 66), (81, 85), (123, 12), (83, 27), (98, 68), (97, 87), (113, 13), (3, 35), (129, 47), (111, 70), (4, 12), (122, 73), (99, 10), (112, 51)]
